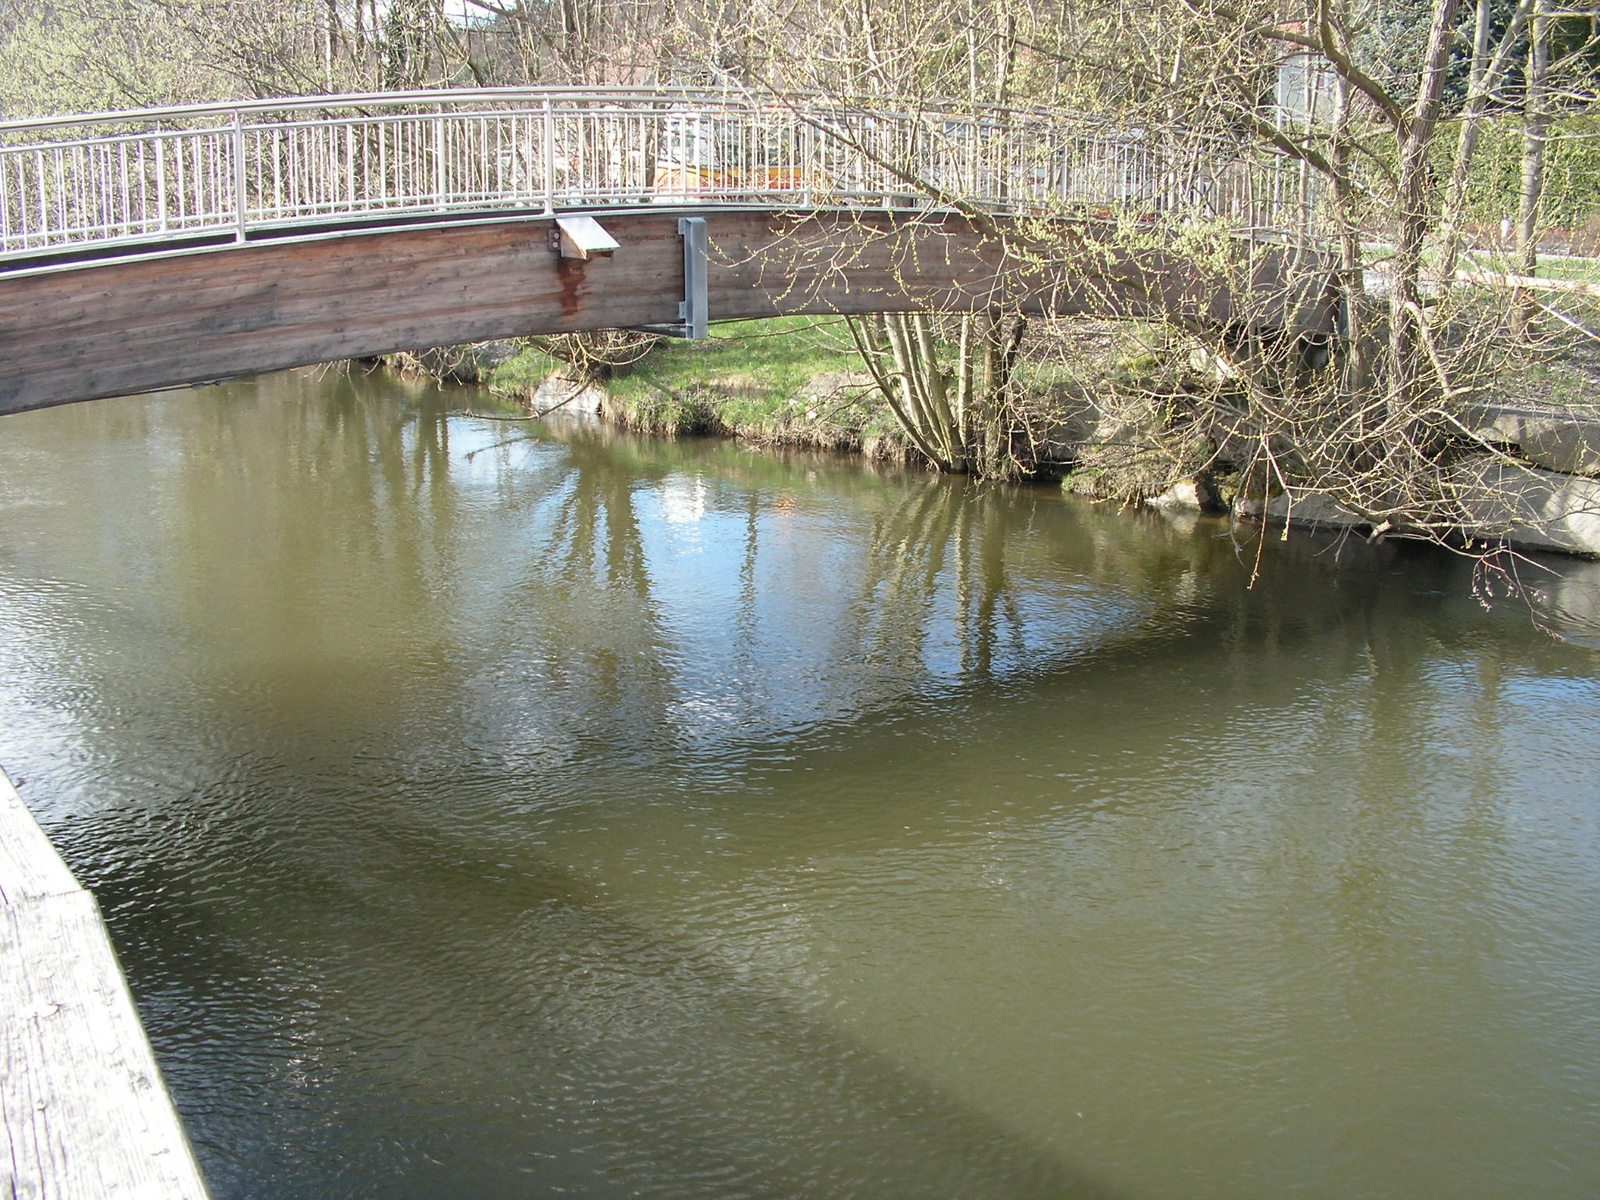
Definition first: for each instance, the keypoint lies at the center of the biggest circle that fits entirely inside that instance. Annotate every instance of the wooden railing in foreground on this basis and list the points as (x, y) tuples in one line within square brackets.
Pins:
[(83, 1113)]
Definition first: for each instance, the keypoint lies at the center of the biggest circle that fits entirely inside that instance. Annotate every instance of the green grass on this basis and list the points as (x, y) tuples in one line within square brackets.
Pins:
[(1564, 384), (521, 376), (753, 379), (757, 365), (1584, 270), (763, 381)]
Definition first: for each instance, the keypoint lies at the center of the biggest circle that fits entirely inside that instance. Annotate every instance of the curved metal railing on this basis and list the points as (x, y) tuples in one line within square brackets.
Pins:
[(127, 179)]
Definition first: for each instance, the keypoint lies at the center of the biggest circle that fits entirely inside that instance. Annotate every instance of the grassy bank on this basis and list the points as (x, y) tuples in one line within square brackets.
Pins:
[(1120, 408), (782, 381)]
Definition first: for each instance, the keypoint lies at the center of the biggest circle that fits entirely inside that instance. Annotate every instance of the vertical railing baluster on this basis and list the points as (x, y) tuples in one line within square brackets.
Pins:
[(161, 179), (549, 157), (91, 198), (5, 206), (238, 176), (60, 206), (438, 155), (400, 135), (700, 165), (580, 127), (126, 189), (500, 127), (86, 210), (26, 208)]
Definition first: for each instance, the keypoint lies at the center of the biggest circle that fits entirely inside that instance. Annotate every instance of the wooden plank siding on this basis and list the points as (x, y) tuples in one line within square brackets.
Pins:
[(83, 1112), (96, 329)]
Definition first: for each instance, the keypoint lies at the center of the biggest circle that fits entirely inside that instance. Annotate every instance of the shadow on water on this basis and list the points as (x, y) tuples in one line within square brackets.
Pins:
[(569, 1046)]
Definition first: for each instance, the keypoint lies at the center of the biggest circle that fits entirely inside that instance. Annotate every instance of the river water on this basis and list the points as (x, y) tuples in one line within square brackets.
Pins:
[(482, 809)]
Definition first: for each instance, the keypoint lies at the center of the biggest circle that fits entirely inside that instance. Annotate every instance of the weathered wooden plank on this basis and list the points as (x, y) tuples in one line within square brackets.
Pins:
[(30, 868), (123, 327), (83, 1112), (210, 315)]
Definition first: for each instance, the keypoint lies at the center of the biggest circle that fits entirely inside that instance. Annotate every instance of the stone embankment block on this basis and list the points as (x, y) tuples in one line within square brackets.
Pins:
[(1531, 508), (1557, 439)]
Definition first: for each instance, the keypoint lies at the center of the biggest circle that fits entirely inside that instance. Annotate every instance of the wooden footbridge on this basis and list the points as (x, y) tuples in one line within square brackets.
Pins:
[(149, 249)]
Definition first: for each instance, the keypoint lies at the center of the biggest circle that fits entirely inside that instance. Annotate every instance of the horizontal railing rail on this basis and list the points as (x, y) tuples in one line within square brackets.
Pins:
[(135, 178)]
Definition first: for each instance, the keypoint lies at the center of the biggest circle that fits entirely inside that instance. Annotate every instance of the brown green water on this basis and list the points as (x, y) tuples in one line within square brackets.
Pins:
[(482, 811)]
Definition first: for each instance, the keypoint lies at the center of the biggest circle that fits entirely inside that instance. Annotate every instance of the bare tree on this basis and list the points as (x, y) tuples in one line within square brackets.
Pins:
[(1374, 422)]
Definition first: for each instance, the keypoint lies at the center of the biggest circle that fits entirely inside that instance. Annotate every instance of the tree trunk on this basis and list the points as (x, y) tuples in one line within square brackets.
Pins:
[(1414, 206), (1485, 75), (1356, 376), (1535, 122)]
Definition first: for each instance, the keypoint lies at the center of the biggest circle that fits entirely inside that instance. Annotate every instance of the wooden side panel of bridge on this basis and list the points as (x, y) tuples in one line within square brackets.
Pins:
[(82, 331)]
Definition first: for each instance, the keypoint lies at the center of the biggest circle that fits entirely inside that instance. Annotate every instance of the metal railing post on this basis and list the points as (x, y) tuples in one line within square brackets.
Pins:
[(238, 176), (549, 156), (803, 152), (161, 178), (438, 157)]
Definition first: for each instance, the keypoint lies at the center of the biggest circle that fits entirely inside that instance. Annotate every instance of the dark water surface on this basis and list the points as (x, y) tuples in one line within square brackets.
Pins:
[(487, 811)]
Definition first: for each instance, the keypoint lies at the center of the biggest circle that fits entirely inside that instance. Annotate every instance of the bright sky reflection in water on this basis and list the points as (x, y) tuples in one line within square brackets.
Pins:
[(487, 811)]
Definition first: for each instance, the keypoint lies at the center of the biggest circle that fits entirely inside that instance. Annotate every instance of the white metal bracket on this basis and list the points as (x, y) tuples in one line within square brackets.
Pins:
[(582, 238)]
